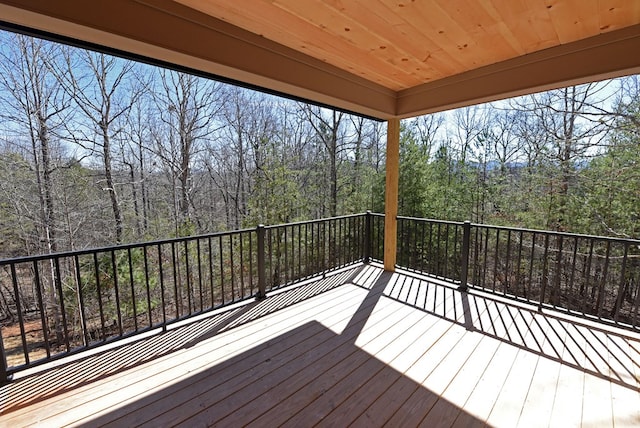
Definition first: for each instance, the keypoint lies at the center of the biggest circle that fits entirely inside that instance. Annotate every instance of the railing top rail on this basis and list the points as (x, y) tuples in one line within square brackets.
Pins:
[(431, 220), (630, 241), (40, 257), (61, 254), (558, 233), (322, 220)]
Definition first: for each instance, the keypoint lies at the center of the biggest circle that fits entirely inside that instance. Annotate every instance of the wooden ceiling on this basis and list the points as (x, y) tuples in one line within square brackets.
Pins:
[(403, 43), (385, 58)]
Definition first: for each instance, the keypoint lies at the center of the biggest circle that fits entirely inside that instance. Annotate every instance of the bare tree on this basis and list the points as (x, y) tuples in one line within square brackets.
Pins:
[(188, 108), (569, 129), (427, 129), (36, 105), (468, 125), (134, 143), (328, 128), (102, 90)]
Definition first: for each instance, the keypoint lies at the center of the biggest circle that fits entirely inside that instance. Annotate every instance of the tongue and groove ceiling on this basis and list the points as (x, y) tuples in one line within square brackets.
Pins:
[(385, 59)]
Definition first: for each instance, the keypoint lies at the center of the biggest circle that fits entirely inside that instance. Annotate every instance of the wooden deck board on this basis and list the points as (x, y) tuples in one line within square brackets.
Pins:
[(173, 408), (567, 404), (625, 402), (361, 348), (163, 371)]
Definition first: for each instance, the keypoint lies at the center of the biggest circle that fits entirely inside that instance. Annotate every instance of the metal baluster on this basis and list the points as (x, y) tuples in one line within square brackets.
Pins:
[(506, 284), (16, 291), (58, 280), (250, 235), (495, 260), (187, 273), (221, 269), (133, 291), (262, 287), (557, 283), (81, 307), (545, 273), (199, 256), (587, 276), (531, 262), (147, 285), (464, 256), (519, 265), (161, 274), (43, 316), (616, 309), (177, 291), (601, 292), (116, 287), (211, 279)]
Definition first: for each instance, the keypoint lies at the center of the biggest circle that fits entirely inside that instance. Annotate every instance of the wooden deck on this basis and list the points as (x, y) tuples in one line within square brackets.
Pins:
[(361, 347)]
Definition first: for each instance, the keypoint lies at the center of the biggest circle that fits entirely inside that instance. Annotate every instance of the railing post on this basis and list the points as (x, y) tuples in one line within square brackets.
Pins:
[(367, 237), (4, 377), (262, 280), (464, 255)]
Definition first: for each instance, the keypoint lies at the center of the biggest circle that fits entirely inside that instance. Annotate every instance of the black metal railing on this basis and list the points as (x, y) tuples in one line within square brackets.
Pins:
[(58, 304), (67, 302), (375, 245), (590, 276), (297, 251), (430, 246)]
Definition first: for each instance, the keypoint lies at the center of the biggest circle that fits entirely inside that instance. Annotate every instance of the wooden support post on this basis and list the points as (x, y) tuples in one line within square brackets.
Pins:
[(391, 194)]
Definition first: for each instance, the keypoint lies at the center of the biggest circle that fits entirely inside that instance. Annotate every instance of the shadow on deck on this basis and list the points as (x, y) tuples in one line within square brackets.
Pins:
[(608, 353), (310, 373)]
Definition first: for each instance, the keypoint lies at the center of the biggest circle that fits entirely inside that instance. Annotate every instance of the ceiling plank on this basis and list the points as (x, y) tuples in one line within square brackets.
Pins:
[(383, 58), (528, 21), (355, 35), (201, 42), (278, 24), (573, 23), (600, 57), (411, 42)]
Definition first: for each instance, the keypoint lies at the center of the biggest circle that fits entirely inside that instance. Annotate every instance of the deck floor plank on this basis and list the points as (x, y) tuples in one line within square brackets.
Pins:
[(466, 379), (400, 354), (361, 348), (509, 405), (441, 364), (335, 382), (537, 407), (241, 389), (625, 401), (567, 403), (341, 346), (387, 404), (165, 370)]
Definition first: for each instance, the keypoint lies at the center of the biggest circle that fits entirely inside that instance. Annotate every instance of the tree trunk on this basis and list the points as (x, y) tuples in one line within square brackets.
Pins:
[(111, 188)]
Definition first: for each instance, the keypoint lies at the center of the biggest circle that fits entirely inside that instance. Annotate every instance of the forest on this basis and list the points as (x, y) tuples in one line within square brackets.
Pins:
[(97, 150)]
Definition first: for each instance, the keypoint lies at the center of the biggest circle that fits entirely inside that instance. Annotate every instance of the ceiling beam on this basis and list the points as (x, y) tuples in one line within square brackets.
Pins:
[(605, 56), (170, 32)]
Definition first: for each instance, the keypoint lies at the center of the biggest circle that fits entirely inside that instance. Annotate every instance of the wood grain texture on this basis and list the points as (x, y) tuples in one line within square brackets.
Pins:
[(370, 348), (404, 43), (391, 194), (384, 58)]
